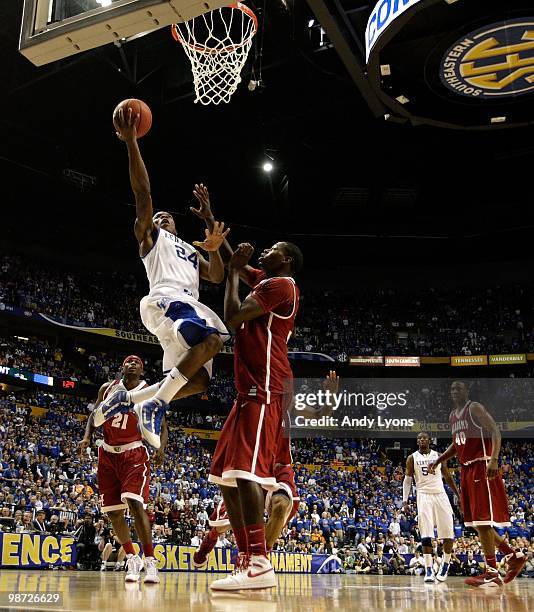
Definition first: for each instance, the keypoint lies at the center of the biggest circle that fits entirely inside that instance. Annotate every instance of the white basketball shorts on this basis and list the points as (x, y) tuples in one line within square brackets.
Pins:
[(180, 322), (434, 510)]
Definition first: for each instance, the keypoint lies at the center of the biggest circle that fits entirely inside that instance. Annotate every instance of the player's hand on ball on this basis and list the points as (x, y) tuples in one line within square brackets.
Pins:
[(331, 382), (492, 469), (203, 211), (125, 124), (214, 238), (241, 256)]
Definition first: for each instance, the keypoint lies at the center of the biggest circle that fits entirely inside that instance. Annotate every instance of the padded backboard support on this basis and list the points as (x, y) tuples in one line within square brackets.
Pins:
[(44, 39)]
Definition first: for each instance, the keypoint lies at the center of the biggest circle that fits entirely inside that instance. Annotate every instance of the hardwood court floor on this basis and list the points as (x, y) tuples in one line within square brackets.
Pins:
[(179, 591)]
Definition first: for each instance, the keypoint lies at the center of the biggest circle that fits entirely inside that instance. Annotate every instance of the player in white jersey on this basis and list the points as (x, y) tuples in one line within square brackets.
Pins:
[(190, 333), (433, 506)]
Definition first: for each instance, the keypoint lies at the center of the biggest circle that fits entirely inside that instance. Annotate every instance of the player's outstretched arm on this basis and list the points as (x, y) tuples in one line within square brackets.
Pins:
[(483, 418), (449, 479), (236, 312), (90, 425), (212, 270), (407, 482), (205, 212), (126, 131)]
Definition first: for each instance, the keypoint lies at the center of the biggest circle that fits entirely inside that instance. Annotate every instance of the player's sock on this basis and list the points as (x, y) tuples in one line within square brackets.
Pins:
[(428, 560), (148, 549), (171, 385), (256, 539), (208, 543), (491, 562), (505, 548), (241, 539), (128, 548), (446, 557), (136, 397)]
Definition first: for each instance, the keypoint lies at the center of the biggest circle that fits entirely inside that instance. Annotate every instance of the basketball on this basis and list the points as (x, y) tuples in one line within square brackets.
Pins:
[(138, 107)]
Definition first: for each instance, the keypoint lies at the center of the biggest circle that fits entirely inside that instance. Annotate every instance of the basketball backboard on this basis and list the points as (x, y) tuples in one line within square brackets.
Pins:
[(55, 29)]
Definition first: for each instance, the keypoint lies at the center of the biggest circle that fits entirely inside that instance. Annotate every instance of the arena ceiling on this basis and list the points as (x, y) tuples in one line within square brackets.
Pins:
[(363, 188)]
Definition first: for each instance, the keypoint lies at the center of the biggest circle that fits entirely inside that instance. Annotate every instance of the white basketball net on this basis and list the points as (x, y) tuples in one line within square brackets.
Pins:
[(217, 44)]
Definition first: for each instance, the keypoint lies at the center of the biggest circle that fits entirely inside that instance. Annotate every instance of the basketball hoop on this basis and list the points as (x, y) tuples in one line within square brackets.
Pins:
[(217, 44)]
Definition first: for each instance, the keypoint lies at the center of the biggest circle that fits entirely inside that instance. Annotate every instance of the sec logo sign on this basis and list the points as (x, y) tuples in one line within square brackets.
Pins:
[(494, 61)]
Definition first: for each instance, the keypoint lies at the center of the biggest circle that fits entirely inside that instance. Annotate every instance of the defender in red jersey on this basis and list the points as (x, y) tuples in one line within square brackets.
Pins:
[(476, 441), (124, 471), (245, 457)]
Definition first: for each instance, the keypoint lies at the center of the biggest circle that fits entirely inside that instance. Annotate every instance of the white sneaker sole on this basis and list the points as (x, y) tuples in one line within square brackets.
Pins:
[(132, 578), (154, 580), (263, 582), (441, 578)]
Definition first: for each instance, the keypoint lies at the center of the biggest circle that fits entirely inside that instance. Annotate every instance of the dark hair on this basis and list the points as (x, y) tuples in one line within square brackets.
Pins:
[(297, 259)]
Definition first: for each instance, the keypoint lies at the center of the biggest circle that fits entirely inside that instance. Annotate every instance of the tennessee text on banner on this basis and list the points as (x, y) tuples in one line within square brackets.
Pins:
[(469, 360)]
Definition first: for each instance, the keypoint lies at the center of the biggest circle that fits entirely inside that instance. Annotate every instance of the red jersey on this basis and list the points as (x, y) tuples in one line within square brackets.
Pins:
[(470, 440), (260, 351), (122, 428)]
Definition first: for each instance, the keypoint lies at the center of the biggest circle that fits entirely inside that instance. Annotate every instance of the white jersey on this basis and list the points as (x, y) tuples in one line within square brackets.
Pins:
[(425, 482), (172, 267)]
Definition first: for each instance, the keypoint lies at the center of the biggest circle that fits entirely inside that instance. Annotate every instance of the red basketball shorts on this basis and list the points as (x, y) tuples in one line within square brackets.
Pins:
[(248, 444), (285, 485), (484, 501), (123, 476)]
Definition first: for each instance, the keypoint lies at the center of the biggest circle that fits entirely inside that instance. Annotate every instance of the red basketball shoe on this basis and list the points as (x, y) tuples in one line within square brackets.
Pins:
[(514, 564), (489, 579)]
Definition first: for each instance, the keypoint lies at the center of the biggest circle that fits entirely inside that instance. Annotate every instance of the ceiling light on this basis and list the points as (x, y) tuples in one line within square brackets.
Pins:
[(268, 167)]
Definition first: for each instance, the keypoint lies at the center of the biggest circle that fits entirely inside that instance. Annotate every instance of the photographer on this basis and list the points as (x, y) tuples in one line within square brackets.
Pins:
[(85, 536)]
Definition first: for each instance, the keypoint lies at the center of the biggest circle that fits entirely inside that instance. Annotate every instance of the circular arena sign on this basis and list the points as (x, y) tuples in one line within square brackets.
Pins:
[(466, 64), (496, 60)]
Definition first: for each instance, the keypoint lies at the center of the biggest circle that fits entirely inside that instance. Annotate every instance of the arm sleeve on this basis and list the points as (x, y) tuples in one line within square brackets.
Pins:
[(406, 488), (274, 293)]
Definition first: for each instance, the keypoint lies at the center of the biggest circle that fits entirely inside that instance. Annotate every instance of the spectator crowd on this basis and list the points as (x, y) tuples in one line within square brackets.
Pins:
[(350, 493), (359, 321)]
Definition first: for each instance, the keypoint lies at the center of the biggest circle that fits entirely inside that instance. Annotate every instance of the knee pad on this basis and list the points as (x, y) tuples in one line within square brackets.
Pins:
[(426, 542)]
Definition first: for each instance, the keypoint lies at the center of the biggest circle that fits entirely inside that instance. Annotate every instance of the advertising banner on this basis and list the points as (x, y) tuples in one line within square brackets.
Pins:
[(469, 360), (369, 360), (507, 359), (403, 361), (27, 550)]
